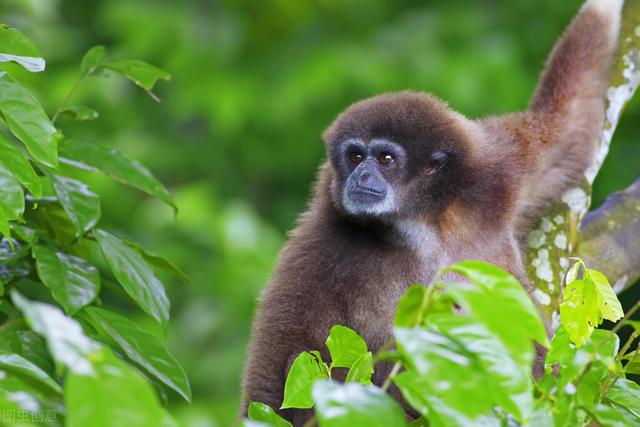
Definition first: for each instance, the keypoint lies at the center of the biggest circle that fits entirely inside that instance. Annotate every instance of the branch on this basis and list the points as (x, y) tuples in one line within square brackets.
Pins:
[(610, 238)]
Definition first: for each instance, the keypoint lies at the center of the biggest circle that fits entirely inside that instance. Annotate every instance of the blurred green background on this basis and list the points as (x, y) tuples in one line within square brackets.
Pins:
[(236, 138)]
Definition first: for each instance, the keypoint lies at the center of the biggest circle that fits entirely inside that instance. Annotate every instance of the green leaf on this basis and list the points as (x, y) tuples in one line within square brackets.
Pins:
[(34, 348), (413, 303), (93, 59), (345, 346), (80, 113), (435, 363), (160, 262), (139, 72), (141, 347), (28, 121), (355, 405), (14, 46), (451, 347), (21, 366), (112, 394), (362, 369), (508, 294), (570, 361), (580, 310), (135, 275), (74, 283), (608, 302), (79, 202), (265, 413), (626, 393), (11, 196), (305, 370), (15, 162), (572, 274), (500, 303), (93, 157), (4, 224), (610, 417), (65, 339)]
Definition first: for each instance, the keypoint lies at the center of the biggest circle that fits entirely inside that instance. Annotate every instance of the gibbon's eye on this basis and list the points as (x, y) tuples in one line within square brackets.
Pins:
[(355, 157), (438, 159), (385, 159)]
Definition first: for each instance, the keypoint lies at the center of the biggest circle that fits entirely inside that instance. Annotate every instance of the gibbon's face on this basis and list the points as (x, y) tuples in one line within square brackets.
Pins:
[(395, 156)]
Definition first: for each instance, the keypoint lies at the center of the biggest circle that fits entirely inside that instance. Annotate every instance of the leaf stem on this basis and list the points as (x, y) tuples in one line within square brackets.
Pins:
[(75, 87), (391, 376)]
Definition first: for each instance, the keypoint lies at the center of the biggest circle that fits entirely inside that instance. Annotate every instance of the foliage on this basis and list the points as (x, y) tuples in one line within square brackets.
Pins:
[(66, 355), (474, 367), (236, 138)]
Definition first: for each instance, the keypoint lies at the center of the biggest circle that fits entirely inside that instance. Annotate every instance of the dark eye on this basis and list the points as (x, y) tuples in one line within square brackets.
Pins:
[(355, 157), (385, 159), (438, 159)]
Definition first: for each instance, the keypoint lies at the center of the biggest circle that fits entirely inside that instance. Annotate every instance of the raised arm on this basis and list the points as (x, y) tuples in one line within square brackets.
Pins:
[(567, 112)]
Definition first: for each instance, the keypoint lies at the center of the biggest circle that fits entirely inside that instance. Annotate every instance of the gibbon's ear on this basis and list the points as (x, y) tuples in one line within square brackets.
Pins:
[(567, 112)]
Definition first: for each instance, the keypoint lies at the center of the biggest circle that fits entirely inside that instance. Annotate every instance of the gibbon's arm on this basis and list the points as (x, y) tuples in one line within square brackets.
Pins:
[(567, 112)]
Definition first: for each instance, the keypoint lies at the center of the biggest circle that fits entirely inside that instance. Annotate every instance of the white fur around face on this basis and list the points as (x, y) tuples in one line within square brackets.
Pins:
[(420, 237)]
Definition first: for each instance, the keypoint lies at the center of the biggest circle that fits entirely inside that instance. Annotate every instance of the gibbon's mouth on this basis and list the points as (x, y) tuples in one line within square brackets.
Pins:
[(365, 191)]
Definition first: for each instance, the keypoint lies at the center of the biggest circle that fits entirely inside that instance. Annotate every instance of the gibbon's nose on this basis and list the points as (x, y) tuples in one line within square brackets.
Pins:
[(369, 182)]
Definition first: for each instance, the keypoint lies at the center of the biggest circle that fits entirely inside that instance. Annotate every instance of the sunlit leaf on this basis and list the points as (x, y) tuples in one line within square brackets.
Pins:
[(80, 113), (112, 394), (580, 310), (265, 413), (362, 369), (572, 274), (74, 282), (355, 405), (135, 275), (345, 346), (12, 159), (94, 157), (16, 363), (93, 59), (14, 46), (79, 202), (141, 347), (610, 306), (305, 370), (28, 122), (65, 338)]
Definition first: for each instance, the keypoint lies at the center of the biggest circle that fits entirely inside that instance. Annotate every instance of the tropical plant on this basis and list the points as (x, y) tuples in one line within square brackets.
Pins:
[(66, 355)]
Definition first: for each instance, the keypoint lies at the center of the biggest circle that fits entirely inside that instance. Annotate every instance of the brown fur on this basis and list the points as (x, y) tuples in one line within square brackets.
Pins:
[(338, 270)]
